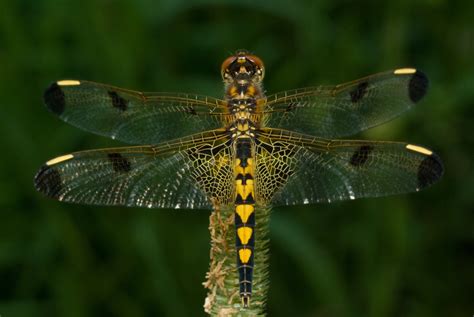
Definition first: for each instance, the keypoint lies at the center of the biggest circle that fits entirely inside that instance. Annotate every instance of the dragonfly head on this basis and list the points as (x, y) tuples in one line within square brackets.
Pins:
[(243, 66)]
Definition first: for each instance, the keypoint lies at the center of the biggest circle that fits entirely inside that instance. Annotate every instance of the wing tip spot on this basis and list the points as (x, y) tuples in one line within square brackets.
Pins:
[(419, 149), (404, 71), (418, 86), (68, 82), (59, 159), (430, 171), (48, 181), (54, 99)]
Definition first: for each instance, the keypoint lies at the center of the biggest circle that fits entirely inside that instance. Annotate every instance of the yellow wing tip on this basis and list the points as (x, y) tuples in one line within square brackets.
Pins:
[(59, 159), (419, 149), (68, 82), (404, 71)]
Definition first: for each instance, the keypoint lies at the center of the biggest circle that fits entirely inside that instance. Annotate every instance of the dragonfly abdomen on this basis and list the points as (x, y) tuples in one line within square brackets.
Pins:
[(244, 215)]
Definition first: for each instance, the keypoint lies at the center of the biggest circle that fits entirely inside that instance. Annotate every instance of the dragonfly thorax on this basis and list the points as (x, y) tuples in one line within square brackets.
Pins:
[(242, 128), (243, 111)]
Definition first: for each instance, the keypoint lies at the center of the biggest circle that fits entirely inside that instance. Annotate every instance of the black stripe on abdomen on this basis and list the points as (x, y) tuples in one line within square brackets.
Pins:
[(244, 217)]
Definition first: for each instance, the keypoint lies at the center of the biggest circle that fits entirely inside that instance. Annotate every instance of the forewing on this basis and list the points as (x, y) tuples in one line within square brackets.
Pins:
[(168, 176), (318, 170), (131, 116), (343, 110)]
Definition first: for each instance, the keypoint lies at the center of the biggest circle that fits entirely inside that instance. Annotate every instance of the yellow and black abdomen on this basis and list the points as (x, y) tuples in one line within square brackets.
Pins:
[(244, 214)]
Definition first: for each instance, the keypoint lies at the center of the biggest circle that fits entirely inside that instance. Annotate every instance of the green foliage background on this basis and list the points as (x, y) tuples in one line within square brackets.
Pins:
[(410, 255)]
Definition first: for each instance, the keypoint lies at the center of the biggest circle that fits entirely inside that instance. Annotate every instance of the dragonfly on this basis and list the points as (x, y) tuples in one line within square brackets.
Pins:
[(245, 151)]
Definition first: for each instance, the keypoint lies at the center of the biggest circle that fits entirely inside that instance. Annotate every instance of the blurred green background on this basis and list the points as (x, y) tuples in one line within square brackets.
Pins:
[(410, 255)]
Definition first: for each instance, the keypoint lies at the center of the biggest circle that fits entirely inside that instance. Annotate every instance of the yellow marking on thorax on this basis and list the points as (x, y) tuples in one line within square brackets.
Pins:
[(233, 91), (244, 233), (418, 149), (250, 91), (242, 115), (59, 159), (244, 255), (243, 127), (244, 211)]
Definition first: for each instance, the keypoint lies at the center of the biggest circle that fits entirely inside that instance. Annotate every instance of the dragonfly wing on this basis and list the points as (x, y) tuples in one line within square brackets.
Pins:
[(167, 176), (312, 170), (131, 116), (343, 110)]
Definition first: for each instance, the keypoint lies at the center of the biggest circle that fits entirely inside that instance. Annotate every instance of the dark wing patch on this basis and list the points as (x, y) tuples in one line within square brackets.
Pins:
[(358, 93), (54, 99), (291, 106), (117, 101), (418, 86), (119, 163), (48, 181), (346, 109), (132, 116), (430, 171), (334, 170), (361, 156), (163, 176), (191, 110)]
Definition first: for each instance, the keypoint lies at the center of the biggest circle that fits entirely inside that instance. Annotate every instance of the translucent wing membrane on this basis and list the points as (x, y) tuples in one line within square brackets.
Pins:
[(131, 116), (342, 110), (250, 152), (310, 170), (172, 175), (197, 171)]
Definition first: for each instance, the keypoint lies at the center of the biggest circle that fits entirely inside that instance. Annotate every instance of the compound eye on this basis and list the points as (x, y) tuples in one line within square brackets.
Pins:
[(256, 60), (259, 67), (226, 63)]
